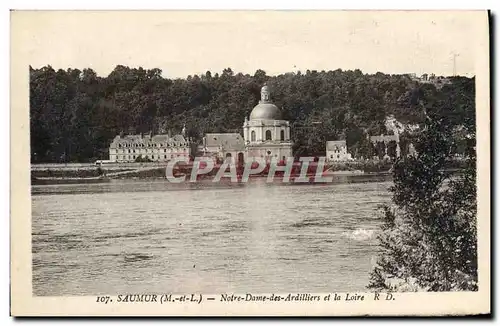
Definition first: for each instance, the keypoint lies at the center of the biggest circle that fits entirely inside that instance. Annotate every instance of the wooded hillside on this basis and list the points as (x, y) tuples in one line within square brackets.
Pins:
[(74, 114)]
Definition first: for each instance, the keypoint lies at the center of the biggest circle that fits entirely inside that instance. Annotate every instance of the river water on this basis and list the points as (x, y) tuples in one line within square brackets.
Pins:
[(138, 236)]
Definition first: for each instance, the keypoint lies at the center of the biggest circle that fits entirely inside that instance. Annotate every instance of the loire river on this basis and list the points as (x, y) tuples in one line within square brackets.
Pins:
[(138, 236)]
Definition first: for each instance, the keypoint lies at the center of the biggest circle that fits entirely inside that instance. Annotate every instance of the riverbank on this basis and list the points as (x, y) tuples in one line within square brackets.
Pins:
[(160, 174), (141, 172), (87, 174)]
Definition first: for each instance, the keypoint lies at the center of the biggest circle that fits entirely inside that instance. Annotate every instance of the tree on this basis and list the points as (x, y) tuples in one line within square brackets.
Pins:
[(429, 238)]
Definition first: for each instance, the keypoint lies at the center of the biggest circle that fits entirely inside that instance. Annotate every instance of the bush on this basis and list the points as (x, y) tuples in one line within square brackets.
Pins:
[(140, 159), (429, 238)]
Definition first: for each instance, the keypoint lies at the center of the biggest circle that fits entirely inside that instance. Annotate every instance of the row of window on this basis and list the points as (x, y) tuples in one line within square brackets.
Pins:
[(138, 151), (268, 135), (151, 145), (153, 157)]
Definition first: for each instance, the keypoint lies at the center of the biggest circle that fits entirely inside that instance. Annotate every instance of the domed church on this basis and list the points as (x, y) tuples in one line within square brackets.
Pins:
[(266, 134)]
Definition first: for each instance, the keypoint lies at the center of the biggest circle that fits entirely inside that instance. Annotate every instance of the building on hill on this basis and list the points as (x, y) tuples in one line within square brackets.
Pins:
[(437, 81), (156, 148), (336, 150)]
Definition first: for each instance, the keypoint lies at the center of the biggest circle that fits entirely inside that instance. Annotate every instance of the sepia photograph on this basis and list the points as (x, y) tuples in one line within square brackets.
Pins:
[(231, 162)]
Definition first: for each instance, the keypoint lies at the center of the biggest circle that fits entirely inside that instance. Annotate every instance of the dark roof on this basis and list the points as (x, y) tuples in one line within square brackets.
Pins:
[(265, 111), (228, 141), (332, 144), (146, 138)]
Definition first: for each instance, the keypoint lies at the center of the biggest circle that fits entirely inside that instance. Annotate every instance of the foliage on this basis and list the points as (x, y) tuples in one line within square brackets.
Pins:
[(367, 166), (75, 114), (78, 173), (429, 236), (142, 159)]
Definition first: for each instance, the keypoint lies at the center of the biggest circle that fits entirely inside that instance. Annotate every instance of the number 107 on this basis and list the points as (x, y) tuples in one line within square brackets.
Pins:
[(103, 299)]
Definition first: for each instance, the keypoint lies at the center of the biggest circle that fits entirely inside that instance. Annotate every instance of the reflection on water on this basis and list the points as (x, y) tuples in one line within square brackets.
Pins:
[(153, 236)]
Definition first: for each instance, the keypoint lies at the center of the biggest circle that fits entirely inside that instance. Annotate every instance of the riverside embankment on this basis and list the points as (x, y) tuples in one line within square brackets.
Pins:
[(88, 172)]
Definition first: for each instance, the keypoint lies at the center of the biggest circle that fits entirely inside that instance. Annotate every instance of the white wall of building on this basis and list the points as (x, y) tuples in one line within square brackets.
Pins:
[(269, 153), (337, 151), (278, 146), (160, 150), (277, 128)]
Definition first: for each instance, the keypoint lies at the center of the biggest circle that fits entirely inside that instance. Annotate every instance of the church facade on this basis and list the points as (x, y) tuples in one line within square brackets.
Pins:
[(266, 134)]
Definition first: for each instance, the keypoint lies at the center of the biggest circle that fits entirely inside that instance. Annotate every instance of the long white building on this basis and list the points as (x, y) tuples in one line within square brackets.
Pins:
[(157, 148)]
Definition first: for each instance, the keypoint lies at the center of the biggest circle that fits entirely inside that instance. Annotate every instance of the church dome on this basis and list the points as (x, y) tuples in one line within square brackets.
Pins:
[(265, 110)]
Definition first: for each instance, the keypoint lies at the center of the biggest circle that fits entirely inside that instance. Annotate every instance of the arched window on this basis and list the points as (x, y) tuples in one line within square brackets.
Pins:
[(282, 135), (252, 135), (268, 135)]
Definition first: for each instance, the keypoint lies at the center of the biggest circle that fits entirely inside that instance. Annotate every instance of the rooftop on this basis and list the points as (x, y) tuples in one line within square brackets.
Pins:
[(147, 138), (332, 144), (228, 141)]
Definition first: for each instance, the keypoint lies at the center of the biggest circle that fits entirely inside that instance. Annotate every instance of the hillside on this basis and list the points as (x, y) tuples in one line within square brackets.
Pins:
[(74, 114)]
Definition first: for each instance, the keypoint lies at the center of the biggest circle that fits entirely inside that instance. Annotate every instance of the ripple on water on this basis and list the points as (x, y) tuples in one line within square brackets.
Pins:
[(312, 222), (136, 257), (128, 235), (137, 234), (359, 234)]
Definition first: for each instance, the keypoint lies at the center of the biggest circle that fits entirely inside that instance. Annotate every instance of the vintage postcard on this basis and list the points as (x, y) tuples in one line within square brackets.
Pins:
[(250, 163)]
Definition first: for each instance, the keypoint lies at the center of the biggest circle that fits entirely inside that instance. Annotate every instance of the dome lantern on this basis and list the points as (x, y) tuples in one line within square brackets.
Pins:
[(265, 95), (265, 110)]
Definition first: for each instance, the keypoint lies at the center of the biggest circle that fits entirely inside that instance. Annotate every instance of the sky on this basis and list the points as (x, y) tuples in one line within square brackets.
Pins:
[(183, 43)]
